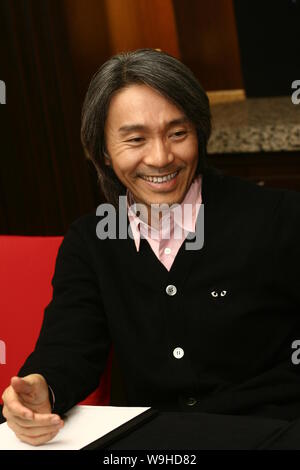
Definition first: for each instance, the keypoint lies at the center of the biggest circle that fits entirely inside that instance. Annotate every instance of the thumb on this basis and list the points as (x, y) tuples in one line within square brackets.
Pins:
[(32, 389), (21, 385)]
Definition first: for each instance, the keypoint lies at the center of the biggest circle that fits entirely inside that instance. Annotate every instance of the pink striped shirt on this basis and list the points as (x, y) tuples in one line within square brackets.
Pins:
[(166, 236)]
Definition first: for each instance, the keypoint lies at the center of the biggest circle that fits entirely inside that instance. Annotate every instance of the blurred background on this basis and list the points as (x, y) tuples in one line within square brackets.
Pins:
[(245, 53)]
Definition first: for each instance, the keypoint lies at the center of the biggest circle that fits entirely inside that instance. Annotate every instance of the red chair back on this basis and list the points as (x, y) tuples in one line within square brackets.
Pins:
[(26, 270)]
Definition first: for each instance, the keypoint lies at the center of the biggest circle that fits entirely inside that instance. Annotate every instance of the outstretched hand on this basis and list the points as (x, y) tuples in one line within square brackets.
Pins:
[(27, 410)]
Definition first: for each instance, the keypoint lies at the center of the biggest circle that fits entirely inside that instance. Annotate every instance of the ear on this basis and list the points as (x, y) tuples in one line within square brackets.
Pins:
[(107, 159)]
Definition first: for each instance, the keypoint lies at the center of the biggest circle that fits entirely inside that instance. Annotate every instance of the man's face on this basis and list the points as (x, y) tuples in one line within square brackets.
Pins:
[(147, 135)]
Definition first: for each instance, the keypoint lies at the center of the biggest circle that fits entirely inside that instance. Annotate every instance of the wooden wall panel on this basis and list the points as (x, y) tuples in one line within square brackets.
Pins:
[(208, 42), (44, 179), (89, 43), (98, 29), (134, 24)]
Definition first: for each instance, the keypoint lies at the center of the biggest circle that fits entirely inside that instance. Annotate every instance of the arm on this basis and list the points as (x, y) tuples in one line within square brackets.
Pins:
[(287, 245), (73, 346)]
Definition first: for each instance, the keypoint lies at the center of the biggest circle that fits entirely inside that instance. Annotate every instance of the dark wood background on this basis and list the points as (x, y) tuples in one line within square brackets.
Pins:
[(49, 50)]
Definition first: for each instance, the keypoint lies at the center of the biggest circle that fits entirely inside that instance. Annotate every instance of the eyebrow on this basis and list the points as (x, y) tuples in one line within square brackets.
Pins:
[(140, 127)]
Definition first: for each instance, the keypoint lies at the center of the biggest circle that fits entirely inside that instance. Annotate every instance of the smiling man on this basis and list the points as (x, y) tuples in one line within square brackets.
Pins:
[(208, 329)]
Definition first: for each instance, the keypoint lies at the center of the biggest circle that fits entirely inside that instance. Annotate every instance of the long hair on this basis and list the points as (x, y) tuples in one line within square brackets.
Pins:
[(157, 69)]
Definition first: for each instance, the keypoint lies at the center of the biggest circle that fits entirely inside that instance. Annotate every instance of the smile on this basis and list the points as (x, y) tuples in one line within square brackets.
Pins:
[(160, 179)]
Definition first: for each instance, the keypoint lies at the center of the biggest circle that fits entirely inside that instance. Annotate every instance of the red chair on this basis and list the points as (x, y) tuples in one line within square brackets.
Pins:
[(26, 270)]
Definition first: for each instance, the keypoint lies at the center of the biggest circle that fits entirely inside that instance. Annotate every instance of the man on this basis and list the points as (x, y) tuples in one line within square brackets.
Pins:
[(207, 329)]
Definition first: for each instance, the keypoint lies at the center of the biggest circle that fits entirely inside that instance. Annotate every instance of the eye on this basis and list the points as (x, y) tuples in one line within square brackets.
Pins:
[(214, 293), (224, 292), (136, 140), (179, 133)]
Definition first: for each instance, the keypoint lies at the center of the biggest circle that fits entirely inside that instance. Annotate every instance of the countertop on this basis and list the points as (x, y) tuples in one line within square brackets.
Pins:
[(255, 125)]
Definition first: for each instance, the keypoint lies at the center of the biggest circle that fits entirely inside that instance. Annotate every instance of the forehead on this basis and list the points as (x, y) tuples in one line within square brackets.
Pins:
[(140, 103)]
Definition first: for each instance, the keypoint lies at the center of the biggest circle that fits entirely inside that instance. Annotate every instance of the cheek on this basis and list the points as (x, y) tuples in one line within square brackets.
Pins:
[(188, 151), (127, 162), (190, 143)]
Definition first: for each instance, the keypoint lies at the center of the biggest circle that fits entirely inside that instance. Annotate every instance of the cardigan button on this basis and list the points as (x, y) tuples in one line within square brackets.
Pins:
[(191, 401), (178, 353), (171, 290)]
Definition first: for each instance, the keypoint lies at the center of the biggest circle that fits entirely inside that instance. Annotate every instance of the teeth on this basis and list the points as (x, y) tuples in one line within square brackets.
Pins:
[(160, 179)]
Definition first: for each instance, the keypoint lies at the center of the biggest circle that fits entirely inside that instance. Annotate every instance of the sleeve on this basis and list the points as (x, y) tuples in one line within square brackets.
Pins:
[(51, 397), (72, 349), (288, 246)]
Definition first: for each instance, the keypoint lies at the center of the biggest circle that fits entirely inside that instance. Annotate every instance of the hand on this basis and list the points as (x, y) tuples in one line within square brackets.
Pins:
[(27, 410)]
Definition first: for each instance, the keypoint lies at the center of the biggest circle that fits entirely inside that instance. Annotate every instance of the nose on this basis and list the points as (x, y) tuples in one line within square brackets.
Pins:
[(158, 154)]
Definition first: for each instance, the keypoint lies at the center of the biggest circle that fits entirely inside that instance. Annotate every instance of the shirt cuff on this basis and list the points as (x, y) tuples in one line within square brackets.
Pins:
[(51, 397)]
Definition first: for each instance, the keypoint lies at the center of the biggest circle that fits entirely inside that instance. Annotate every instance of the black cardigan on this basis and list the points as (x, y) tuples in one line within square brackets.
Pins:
[(237, 346)]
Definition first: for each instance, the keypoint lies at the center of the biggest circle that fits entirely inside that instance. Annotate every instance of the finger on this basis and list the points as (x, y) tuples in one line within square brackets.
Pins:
[(14, 407), (13, 404), (33, 432), (4, 412), (38, 440), (21, 386), (38, 420)]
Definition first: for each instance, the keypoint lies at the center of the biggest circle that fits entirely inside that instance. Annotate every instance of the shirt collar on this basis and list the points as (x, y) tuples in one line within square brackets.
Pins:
[(188, 223)]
